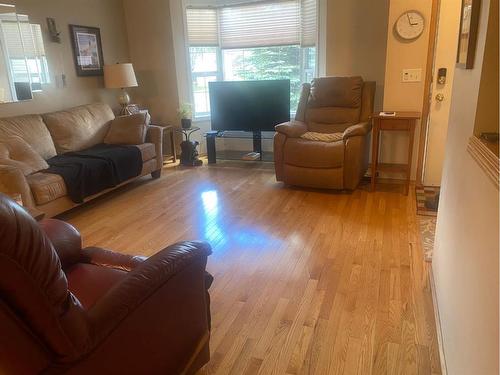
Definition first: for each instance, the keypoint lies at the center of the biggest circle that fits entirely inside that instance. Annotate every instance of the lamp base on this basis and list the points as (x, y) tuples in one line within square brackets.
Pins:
[(124, 100), (124, 111)]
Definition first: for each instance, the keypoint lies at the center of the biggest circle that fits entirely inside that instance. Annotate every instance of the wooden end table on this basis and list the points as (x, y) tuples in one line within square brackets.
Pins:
[(402, 121)]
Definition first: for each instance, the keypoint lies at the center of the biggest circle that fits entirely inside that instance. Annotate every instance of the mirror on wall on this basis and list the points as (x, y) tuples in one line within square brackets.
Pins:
[(23, 64)]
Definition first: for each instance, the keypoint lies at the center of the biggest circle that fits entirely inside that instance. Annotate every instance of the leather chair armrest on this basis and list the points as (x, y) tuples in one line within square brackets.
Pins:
[(144, 281), (65, 239), (361, 129), (292, 129), (13, 181), (154, 135), (111, 259)]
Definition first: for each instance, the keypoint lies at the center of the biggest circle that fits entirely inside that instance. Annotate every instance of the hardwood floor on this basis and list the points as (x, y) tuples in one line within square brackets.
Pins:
[(306, 282)]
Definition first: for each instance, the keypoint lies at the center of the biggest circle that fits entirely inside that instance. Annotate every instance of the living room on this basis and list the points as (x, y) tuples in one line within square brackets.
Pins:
[(365, 241)]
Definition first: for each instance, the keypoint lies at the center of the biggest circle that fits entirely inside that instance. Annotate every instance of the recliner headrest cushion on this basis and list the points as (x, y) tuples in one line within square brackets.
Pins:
[(336, 92)]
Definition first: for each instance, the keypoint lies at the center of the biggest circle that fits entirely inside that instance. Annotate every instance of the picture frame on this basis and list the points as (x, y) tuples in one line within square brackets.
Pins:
[(467, 36), (87, 50)]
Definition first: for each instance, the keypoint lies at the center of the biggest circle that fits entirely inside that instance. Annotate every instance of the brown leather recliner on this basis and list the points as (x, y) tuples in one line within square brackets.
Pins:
[(64, 309), (327, 145)]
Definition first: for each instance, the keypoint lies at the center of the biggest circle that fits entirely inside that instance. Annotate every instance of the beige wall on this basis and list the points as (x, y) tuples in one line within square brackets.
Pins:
[(356, 38), (465, 262), (152, 52), (400, 96), (108, 16)]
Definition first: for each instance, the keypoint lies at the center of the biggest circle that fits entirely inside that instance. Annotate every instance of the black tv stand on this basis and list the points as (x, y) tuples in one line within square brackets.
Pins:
[(257, 142), (256, 137)]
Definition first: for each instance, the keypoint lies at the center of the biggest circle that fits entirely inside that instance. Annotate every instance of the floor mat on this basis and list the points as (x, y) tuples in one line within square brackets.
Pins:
[(427, 227)]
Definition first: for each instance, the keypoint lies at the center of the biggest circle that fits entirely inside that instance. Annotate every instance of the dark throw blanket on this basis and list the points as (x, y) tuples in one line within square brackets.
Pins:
[(100, 167)]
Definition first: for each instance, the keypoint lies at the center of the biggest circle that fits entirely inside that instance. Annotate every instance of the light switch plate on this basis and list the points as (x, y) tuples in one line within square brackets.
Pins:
[(412, 75)]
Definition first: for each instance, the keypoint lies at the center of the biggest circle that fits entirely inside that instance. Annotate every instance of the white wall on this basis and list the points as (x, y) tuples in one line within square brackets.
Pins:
[(465, 262)]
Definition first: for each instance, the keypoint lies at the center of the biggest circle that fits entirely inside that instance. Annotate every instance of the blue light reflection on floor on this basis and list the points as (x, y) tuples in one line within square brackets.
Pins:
[(220, 233)]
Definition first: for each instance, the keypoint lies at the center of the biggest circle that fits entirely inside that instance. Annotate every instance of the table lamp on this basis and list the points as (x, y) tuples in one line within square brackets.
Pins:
[(120, 76)]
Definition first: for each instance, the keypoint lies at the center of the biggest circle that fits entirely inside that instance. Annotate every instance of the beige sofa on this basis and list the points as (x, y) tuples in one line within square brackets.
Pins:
[(328, 143), (55, 133)]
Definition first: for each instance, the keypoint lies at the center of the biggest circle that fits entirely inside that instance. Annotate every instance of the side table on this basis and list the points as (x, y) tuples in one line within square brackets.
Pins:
[(401, 121), (168, 130)]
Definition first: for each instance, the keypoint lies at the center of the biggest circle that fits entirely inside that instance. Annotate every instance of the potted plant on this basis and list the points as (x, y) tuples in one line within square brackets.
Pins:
[(185, 113)]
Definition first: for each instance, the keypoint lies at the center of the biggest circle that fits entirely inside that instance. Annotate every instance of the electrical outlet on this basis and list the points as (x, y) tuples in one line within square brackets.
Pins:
[(412, 75)]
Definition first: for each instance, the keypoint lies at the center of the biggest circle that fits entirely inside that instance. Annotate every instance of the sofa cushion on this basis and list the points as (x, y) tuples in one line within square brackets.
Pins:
[(32, 130), (15, 151), (79, 128), (312, 154), (148, 151), (46, 187), (127, 130)]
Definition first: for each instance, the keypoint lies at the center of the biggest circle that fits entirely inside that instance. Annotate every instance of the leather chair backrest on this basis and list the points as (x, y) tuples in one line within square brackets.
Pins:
[(331, 104), (34, 287)]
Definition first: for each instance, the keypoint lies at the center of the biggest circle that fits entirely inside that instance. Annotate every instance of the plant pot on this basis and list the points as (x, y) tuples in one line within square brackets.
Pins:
[(186, 123)]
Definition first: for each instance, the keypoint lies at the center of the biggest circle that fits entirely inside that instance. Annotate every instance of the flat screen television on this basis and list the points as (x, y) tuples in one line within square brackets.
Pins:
[(249, 105)]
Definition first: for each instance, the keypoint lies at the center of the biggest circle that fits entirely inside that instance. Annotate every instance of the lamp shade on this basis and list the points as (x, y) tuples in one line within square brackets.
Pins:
[(118, 76)]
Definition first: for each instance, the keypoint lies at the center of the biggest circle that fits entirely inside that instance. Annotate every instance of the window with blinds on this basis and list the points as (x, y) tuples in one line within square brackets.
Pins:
[(256, 40), (261, 24)]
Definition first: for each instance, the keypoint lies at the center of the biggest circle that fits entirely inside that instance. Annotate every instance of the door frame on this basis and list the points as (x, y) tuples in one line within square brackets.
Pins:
[(429, 77)]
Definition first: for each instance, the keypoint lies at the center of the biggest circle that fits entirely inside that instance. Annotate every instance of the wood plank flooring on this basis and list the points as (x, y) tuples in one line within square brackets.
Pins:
[(306, 282)]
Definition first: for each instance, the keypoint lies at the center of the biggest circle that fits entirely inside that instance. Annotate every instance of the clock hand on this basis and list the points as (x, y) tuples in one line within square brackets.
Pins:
[(409, 20)]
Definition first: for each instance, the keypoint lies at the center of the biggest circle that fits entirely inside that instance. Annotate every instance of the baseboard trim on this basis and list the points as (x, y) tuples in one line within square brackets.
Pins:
[(437, 319)]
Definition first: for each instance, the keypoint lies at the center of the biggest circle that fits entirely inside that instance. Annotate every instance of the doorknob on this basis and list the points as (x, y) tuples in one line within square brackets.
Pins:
[(439, 97)]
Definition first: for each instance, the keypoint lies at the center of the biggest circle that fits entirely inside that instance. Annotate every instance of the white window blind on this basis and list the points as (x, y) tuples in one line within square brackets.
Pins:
[(260, 25), (31, 39), (202, 27), (254, 24), (308, 21)]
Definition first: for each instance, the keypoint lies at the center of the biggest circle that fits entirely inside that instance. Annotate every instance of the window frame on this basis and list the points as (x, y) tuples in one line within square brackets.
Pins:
[(220, 67)]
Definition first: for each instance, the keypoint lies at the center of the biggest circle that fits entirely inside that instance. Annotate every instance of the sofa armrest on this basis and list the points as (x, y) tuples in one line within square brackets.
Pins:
[(65, 238), (361, 129), (13, 181), (292, 129), (154, 135), (111, 259)]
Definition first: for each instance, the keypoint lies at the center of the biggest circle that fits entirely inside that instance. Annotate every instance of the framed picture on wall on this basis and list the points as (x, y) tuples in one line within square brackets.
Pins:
[(87, 50), (467, 37)]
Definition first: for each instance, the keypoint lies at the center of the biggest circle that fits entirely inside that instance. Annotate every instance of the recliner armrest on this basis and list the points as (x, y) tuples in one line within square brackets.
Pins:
[(292, 129), (111, 259), (361, 129), (143, 282)]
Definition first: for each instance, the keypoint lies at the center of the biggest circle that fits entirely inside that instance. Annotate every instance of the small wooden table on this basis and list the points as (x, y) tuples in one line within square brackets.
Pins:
[(402, 121)]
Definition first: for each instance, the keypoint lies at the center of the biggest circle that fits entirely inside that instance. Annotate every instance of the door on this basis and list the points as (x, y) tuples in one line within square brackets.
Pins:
[(445, 53)]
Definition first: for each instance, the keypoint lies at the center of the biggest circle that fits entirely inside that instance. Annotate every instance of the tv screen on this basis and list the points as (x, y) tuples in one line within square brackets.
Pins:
[(249, 105)]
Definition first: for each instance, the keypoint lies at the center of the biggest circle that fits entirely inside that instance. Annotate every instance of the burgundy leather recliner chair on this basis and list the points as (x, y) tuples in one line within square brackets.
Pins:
[(64, 309)]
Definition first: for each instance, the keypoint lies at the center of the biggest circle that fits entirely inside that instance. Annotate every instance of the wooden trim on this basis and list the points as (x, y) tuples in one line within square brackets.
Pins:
[(473, 28), (437, 319), (485, 158), (429, 76)]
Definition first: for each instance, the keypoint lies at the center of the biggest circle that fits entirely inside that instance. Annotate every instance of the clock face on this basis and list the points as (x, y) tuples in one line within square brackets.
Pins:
[(410, 25)]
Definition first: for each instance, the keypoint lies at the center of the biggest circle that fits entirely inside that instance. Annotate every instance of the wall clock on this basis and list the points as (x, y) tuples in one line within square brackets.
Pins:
[(410, 25)]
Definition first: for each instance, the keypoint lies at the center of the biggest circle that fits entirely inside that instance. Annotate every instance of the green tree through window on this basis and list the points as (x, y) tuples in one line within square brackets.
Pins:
[(268, 63)]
